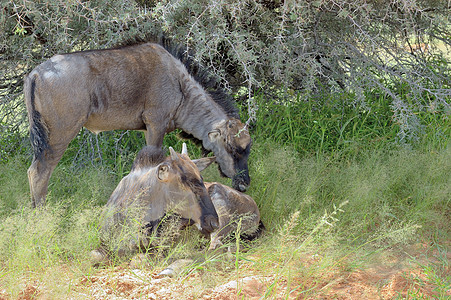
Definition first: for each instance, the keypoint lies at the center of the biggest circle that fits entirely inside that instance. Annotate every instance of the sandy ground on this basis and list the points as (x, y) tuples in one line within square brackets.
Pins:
[(392, 279)]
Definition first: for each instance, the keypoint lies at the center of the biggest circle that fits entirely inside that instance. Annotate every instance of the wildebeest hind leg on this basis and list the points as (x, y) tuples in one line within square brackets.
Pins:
[(42, 168), (38, 177)]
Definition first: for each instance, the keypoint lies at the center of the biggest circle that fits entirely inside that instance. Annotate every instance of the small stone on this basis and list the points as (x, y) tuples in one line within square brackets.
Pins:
[(176, 268)]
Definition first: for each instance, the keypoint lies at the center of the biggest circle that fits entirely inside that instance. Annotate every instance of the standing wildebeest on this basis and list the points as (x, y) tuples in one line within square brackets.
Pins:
[(138, 87), (156, 185)]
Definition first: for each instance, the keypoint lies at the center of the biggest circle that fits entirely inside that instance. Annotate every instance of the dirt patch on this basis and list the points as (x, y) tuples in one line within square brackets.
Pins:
[(373, 283), (389, 278), (138, 284), (253, 287), (123, 283)]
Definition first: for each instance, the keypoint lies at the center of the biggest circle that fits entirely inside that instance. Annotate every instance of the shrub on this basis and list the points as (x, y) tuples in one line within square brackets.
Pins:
[(316, 48)]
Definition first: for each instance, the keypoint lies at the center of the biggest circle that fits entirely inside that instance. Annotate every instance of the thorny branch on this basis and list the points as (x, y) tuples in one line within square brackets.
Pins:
[(308, 47)]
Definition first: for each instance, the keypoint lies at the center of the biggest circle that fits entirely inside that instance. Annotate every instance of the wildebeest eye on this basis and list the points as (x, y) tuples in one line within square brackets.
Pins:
[(242, 150)]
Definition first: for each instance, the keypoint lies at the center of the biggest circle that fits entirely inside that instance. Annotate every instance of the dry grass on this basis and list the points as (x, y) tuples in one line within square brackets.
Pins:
[(334, 227)]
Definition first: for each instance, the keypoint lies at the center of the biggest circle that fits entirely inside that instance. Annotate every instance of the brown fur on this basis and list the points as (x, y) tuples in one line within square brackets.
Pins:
[(155, 186), (233, 206)]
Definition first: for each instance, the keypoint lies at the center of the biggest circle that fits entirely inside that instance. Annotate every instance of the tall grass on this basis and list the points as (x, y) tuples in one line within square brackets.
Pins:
[(381, 188), (330, 183), (383, 199), (327, 126)]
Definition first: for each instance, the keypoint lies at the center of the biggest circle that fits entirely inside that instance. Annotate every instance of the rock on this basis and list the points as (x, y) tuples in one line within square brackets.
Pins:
[(98, 257), (176, 268)]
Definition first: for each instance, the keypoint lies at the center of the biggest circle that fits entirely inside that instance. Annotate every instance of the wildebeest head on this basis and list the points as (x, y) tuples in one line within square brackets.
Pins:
[(233, 145), (186, 189)]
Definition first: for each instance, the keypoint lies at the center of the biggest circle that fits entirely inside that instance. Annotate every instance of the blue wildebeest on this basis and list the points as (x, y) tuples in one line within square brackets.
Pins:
[(155, 186), (233, 207), (136, 87), (145, 196)]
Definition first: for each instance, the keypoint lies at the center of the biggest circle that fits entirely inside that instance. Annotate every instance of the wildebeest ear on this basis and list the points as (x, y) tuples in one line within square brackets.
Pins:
[(163, 172), (203, 163), (214, 135)]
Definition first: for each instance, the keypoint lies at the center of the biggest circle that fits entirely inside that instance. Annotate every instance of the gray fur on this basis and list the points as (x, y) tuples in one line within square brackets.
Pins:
[(140, 87), (142, 199)]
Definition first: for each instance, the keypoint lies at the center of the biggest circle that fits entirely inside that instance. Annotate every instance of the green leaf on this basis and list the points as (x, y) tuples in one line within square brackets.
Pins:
[(20, 31), (343, 13), (317, 3)]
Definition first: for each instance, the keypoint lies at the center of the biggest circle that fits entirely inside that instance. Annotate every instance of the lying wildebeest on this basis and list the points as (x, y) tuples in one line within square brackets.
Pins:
[(139, 197), (155, 186), (232, 207), (137, 87)]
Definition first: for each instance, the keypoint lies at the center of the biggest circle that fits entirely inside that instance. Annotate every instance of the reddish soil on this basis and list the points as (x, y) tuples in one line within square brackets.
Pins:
[(373, 283), (395, 278)]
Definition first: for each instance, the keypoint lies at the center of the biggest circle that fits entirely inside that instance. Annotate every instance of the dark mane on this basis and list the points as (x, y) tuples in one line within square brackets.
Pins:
[(148, 156), (200, 73)]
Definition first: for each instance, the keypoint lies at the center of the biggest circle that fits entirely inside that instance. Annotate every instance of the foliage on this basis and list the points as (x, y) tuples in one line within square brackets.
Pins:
[(325, 126), (314, 48)]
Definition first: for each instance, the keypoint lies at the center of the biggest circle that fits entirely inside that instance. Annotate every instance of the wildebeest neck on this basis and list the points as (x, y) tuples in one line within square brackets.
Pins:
[(198, 113)]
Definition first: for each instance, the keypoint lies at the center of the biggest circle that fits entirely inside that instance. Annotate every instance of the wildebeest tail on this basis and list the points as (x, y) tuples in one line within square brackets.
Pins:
[(254, 235), (39, 136)]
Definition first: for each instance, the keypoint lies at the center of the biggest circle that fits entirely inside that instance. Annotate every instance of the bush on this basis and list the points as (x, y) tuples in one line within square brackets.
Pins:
[(314, 48)]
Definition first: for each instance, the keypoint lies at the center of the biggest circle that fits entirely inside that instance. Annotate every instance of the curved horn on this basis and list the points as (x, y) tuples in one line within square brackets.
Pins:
[(174, 155), (184, 149)]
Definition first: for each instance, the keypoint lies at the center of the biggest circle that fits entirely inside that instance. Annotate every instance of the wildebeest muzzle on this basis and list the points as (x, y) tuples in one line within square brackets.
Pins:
[(241, 180)]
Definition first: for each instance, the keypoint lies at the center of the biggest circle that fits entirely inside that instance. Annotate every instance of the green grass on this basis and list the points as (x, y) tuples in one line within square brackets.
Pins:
[(398, 185), (328, 126), (388, 199), (324, 126), (333, 187)]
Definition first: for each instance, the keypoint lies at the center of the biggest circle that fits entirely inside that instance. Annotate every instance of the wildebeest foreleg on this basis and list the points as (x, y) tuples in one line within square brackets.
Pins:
[(154, 135)]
